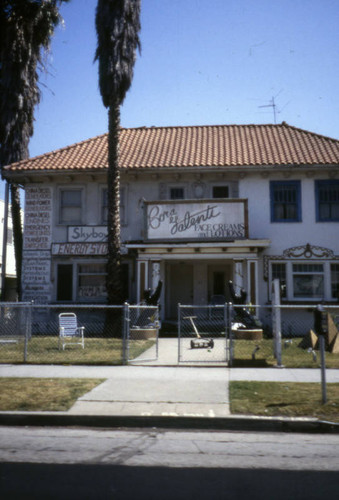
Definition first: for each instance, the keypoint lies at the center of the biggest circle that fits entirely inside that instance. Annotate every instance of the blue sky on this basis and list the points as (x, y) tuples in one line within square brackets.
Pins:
[(202, 62)]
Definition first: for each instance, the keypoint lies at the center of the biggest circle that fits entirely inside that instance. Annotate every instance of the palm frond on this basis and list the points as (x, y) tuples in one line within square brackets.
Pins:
[(117, 26)]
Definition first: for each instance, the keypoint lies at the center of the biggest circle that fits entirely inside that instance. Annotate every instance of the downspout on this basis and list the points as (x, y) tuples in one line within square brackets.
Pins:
[(4, 245)]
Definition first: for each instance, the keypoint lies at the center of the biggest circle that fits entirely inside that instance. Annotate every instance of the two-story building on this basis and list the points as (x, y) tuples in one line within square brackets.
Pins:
[(200, 206)]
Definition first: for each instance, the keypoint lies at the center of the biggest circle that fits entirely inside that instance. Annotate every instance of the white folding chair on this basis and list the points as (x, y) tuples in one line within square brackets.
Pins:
[(69, 331)]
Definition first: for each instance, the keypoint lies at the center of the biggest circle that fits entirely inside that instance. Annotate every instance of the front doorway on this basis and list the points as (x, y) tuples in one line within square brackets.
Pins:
[(179, 281), (195, 283), (218, 278)]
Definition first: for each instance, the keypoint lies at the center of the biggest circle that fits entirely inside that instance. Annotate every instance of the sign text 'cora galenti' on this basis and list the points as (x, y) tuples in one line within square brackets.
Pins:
[(211, 219)]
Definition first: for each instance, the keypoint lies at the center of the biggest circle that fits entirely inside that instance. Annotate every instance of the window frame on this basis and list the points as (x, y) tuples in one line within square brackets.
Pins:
[(75, 265), (179, 186), (334, 282), (330, 275), (305, 271), (221, 186), (283, 285), (63, 222), (318, 184), (78, 273), (275, 184)]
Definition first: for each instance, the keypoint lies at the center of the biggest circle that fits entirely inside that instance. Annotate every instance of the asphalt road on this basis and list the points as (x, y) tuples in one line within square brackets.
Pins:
[(53, 463)]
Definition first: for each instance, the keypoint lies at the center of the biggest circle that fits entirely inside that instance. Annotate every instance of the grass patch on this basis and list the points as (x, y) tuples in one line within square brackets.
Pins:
[(288, 399), (292, 356), (40, 394), (44, 350)]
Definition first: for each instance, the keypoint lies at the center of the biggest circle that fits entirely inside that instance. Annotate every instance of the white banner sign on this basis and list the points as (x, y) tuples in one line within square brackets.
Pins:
[(210, 219), (87, 234)]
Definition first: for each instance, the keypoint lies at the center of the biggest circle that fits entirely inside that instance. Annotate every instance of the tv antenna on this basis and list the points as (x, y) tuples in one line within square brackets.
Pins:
[(272, 105)]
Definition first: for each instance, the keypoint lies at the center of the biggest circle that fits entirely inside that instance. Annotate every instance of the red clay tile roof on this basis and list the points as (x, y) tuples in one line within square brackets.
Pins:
[(180, 147)]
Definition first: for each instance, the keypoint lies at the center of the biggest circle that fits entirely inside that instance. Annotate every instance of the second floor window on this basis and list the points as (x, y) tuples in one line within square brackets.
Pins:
[(177, 193), (285, 201), (327, 200), (220, 192), (70, 206)]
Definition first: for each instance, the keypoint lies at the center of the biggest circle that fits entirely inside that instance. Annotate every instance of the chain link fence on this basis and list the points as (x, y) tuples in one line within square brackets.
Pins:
[(299, 344), (15, 330), (278, 335), (30, 333), (142, 333), (252, 339)]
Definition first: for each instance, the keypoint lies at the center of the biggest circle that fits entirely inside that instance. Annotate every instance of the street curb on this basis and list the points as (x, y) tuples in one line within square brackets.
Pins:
[(234, 423)]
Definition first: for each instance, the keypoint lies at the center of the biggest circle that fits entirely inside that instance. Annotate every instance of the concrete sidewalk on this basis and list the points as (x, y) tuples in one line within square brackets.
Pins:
[(153, 395)]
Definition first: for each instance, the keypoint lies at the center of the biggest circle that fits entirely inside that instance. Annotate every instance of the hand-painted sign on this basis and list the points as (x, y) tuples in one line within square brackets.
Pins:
[(87, 234), (38, 217), (79, 249), (211, 219)]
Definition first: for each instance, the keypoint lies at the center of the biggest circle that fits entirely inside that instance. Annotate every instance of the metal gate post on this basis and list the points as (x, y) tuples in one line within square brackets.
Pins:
[(28, 330), (276, 314), (226, 333), (125, 343), (179, 332), (229, 333)]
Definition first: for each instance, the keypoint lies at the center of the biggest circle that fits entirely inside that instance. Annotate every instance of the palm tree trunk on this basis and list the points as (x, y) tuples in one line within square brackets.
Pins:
[(17, 233), (113, 319), (114, 284)]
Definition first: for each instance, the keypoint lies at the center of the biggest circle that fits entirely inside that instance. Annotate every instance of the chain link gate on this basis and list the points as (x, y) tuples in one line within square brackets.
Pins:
[(15, 330), (141, 333), (204, 334)]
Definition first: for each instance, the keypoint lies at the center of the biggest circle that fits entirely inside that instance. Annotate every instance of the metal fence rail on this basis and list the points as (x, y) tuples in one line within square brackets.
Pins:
[(252, 336), (299, 342), (103, 339), (15, 330), (142, 333), (283, 336), (113, 335)]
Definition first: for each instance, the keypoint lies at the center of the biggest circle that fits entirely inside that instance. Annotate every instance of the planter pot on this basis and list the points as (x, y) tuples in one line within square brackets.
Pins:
[(143, 333), (248, 334)]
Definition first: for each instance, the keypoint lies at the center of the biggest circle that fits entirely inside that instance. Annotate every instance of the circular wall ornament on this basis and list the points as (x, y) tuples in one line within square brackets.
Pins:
[(199, 189)]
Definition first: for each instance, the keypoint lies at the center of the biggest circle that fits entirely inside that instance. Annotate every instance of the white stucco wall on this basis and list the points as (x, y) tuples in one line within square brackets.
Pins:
[(286, 235)]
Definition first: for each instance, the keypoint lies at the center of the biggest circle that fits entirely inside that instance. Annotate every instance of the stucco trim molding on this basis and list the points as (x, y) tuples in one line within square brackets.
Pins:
[(307, 251)]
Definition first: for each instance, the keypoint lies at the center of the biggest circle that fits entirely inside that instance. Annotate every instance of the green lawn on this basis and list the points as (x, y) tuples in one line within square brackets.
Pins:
[(284, 399), (292, 356), (44, 350), (108, 351), (41, 394)]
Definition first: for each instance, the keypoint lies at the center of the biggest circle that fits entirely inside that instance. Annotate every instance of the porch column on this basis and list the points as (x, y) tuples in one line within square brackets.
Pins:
[(238, 279), (142, 279), (155, 273), (252, 281), (155, 277)]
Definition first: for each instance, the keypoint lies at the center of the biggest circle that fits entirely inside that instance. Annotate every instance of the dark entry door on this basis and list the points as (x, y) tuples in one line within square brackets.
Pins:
[(180, 279)]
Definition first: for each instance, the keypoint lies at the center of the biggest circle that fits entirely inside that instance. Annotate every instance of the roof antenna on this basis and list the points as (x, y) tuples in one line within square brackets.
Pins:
[(273, 105)]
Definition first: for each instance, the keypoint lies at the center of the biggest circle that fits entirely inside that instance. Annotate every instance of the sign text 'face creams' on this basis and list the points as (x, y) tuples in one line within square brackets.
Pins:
[(196, 220)]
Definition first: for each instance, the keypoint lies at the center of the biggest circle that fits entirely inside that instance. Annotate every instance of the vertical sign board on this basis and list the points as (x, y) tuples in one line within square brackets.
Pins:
[(36, 269), (208, 220)]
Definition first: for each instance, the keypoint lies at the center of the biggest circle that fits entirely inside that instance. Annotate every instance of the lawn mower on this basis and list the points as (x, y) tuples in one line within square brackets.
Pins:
[(199, 342)]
